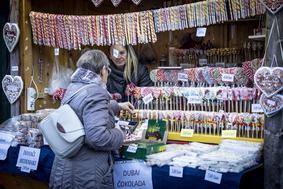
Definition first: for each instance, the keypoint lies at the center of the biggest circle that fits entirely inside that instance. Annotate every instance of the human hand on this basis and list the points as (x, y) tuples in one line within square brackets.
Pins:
[(127, 106)]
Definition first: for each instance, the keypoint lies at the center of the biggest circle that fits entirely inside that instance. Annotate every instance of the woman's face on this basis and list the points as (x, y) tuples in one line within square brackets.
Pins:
[(118, 55)]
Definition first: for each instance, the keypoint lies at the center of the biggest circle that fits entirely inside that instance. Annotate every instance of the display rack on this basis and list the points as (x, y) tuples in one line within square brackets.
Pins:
[(207, 138)]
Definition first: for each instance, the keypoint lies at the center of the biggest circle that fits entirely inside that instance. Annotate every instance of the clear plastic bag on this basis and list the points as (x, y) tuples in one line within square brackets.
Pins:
[(60, 78)]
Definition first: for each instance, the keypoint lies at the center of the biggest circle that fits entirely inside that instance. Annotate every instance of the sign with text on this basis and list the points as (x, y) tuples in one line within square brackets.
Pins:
[(132, 148), (256, 108), (132, 174), (212, 176), (202, 61), (4, 147), (228, 77), (148, 98), (220, 64), (201, 32), (56, 51), (182, 77), (28, 158), (176, 171), (229, 134), (187, 133), (194, 99), (6, 137)]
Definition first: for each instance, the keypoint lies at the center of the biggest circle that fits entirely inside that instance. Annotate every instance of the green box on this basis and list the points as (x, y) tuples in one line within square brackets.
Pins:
[(143, 149)]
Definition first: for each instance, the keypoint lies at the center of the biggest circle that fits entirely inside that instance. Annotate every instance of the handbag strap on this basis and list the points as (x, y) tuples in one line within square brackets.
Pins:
[(77, 92)]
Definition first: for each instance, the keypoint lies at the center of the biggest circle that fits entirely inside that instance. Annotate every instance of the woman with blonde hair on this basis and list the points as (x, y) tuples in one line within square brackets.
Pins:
[(126, 70)]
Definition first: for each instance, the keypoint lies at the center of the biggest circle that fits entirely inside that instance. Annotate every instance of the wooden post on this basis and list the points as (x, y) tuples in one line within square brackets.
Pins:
[(273, 135), (26, 49), (15, 55)]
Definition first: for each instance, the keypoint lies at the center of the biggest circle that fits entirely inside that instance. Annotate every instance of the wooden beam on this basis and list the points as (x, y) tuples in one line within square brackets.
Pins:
[(26, 49), (273, 135), (15, 55)]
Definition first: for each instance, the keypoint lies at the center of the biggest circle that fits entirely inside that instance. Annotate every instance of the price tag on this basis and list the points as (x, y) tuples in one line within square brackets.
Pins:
[(187, 133), (194, 100), (132, 148), (116, 53), (220, 64), (228, 77), (148, 98), (176, 172), (6, 138), (4, 147), (202, 61), (256, 108), (212, 176), (28, 158), (201, 32), (229, 133), (56, 51), (15, 68), (182, 77)]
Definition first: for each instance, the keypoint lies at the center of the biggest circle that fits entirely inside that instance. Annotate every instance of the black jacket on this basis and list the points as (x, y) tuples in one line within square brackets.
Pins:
[(117, 83)]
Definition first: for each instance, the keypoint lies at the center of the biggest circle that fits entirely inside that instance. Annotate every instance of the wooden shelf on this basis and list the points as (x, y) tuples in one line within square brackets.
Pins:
[(206, 138), (257, 37)]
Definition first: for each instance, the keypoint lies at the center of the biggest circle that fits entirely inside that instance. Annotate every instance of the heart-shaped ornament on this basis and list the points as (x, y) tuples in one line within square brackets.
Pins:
[(11, 33), (116, 2), (12, 87), (271, 105), (96, 2), (272, 6), (137, 1), (269, 80)]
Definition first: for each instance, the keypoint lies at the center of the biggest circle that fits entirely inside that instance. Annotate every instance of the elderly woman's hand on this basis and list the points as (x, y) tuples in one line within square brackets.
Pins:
[(127, 106)]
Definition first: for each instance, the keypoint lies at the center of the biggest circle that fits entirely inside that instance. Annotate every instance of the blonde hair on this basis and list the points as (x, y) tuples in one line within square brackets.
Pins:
[(131, 64)]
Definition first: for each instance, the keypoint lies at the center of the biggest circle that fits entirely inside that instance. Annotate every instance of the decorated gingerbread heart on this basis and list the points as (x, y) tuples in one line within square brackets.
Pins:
[(137, 1), (272, 6), (12, 87), (116, 2), (271, 105), (269, 80), (11, 33), (96, 2)]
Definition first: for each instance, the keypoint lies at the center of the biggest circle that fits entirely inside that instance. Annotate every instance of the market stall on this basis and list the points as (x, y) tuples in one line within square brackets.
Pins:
[(208, 76)]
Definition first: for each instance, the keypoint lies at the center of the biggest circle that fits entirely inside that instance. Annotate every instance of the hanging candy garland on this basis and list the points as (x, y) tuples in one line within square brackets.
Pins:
[(70, 32), (114, 2)]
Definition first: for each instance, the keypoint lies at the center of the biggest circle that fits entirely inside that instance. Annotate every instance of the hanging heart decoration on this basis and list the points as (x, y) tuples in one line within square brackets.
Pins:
[(272, 6), (137, 1), (11, 33), (116, 2), (269, 80), (96, 2), (271, 105), (12, 87)]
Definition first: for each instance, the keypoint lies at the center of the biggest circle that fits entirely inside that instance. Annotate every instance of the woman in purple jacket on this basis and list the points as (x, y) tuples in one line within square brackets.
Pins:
[(91, 167)]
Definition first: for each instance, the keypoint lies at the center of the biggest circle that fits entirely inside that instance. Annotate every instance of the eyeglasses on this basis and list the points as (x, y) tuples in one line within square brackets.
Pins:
[(108, 69)]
